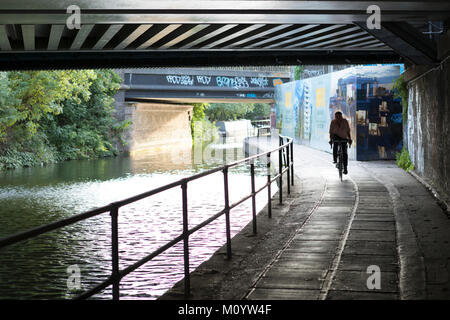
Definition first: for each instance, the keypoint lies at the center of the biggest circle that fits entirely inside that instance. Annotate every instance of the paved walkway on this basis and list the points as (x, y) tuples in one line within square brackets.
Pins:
[(351, 227), (333, 235), (366, 222)]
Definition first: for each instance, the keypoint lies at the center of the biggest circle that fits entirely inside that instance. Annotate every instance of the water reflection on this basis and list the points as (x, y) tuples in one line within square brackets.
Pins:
[(31, 197)]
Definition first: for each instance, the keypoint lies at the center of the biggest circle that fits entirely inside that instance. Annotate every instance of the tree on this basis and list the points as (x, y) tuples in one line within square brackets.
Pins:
[(86, 130), (228, 111), (259, 111), (49, 116), (29, 95), (298, 70)]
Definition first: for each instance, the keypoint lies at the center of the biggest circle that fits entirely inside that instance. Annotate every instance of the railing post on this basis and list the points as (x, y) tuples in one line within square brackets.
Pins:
[(187, 279), (227, 211), (292, 161), (115, 251), (269, 184), (280, 172), (288, 162), (252, 173)]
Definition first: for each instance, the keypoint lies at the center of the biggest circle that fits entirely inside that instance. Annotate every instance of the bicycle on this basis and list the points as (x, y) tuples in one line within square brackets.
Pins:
[(340, 153)]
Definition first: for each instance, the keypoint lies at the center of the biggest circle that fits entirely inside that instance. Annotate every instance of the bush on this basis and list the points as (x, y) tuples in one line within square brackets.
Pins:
[(403, 160)]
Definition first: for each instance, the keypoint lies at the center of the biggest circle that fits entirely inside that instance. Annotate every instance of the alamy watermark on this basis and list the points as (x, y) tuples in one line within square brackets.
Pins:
[(74, 278), (374, 20), (374, 280), (74, 20)]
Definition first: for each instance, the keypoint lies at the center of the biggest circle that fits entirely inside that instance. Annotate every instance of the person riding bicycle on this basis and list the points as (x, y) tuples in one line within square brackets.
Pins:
[(340, 130)]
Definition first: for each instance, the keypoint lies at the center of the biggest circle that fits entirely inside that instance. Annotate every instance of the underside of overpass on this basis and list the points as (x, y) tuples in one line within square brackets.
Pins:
[(54, 34), (51, 34), (148, 34)]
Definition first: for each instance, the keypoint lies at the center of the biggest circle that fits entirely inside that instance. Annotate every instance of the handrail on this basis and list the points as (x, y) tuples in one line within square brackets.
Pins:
[(285, 150)]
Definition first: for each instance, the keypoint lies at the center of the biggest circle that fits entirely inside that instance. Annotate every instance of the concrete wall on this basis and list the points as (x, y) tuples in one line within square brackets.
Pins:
[(154, 125), (428, 126), (158, 126)]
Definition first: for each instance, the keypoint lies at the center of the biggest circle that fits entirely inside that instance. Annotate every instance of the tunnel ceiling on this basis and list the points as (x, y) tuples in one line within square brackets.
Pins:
[(142, 33)]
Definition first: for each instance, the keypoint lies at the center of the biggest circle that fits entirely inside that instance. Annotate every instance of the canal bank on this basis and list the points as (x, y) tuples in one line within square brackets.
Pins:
[(379, 234)]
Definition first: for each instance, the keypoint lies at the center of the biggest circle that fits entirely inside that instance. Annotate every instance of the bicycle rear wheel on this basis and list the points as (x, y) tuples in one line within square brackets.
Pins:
[(340, 163)]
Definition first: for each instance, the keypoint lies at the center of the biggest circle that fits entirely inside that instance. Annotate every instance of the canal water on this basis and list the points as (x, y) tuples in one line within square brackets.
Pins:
[(40, 268)]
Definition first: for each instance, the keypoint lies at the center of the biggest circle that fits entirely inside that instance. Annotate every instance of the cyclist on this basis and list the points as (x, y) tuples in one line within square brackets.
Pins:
[(340, 130)]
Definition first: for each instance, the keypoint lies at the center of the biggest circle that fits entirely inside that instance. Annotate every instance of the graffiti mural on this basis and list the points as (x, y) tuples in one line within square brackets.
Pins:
[(305, 108)]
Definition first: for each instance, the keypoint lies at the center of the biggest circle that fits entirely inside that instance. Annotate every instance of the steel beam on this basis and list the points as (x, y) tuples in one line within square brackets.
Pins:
[(324, 37), (28, 37), (133, 36), (174, 58), (107, 36), (184, 36), (235, 6), (55, 36), (304, 36), (220, 18), (283, 35), (81, 36), (358, 35), (406, 41), (209, 36), (233, 36), (167, 30), (260, 35), (5, 45)]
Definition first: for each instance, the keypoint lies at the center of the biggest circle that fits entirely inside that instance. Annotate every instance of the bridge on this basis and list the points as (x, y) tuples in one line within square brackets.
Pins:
[(380, 216), (201, 85), (137, 33), (158, 101)]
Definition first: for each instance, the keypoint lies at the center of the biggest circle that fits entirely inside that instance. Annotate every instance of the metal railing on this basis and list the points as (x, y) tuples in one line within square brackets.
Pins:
[(262, 127), (285, 164)]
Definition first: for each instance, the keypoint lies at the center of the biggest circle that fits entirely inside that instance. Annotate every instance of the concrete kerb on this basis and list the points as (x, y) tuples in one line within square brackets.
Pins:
[(443, 203)]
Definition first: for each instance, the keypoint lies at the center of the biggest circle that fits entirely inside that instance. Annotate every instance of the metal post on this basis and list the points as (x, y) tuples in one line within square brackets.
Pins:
[(227, 211), (252, 173), (115, 252), (292, 162), (187, 279), (269, 184), (280, 172), (288, 163)]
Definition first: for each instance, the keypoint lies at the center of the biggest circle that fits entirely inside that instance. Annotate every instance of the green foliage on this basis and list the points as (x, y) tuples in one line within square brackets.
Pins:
[(202, 129), (403, 160), (49, 116), (298, 70), (401, 91), (237, 111), (259, 111), (199, 111)]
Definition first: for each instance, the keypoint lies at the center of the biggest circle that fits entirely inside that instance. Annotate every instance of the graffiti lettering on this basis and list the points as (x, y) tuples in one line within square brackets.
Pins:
[(203, 80), (260, 82), (236, 82), (183, 80), (312, 73), (277, 82)]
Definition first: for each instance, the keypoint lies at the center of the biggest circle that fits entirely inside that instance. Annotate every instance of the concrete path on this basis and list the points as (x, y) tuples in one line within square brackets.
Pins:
[(359, 226), (330, 238), (351, 228)]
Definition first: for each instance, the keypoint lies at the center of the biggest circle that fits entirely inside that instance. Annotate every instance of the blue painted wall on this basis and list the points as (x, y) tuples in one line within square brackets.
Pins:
[(305, 108)]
